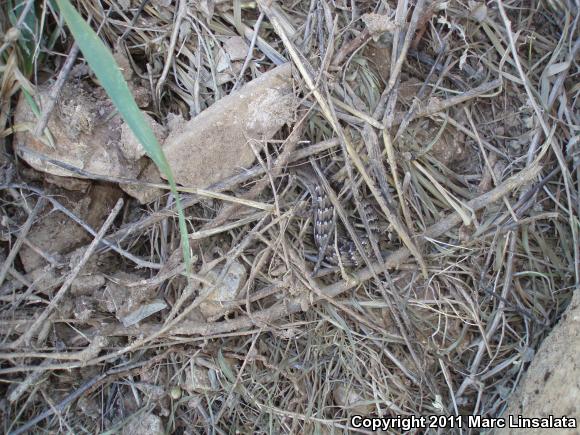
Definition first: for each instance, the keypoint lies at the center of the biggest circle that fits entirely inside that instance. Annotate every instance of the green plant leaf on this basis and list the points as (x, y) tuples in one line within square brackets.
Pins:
[(109, 75), (27, 32)]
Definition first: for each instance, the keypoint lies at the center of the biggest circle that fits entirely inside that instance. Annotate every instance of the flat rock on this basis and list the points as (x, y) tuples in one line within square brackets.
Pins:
[(214, 144), (144, 193), (551, 385), (56, 234), (86, 132), (226, 290), (236, 47)]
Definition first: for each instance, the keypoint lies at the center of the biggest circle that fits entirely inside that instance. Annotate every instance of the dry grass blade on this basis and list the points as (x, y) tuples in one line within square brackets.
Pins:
[(427, 171), (306, 75), (108, 72)]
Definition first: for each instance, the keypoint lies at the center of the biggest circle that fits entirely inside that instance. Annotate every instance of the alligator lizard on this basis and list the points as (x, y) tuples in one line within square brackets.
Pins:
[(324, 227)]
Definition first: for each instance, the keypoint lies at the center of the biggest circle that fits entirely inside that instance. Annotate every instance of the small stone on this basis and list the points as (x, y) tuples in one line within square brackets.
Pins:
[(379, 24), (226, 289), (236, 47), (175, 392), (478, 12), (196, 380), (148, 424), (352, 401)]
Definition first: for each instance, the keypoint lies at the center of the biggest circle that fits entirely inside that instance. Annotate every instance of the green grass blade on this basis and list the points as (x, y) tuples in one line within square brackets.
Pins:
[(27, 37), (109, 75)]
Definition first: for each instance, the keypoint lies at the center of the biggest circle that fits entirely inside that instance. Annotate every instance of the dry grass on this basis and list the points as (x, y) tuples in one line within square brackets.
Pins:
[(458, 126)]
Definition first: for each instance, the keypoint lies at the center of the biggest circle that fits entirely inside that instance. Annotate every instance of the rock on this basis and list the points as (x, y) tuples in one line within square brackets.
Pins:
[(352, 401), (379, 24), (131, 147), (551, 385), (87, 134), (143, 193), (225, 291), (56, 234), (196, 380), (130, 303), (236, 47), (133, 150), (68, 183), (148, 424), (214, 144)]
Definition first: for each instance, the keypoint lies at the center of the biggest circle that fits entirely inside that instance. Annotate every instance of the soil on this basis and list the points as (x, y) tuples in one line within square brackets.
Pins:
[(551, 385), (415, 129)]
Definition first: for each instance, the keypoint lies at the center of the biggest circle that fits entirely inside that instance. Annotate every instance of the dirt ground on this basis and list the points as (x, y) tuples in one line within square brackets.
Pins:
[(381, 203)]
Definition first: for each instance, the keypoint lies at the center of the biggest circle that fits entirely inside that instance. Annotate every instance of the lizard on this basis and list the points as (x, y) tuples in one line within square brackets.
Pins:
[(335, 251)]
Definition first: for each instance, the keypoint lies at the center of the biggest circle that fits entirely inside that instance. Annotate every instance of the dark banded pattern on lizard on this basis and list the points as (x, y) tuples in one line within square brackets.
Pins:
[(342, 251)]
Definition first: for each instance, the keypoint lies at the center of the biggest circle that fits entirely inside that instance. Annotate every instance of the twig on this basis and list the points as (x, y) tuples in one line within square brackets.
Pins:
[(23, 232), (88, 385), (437, 106), (91, 175), (396, 69), (134, 20), (295, 305), (508, 277), (58, 206), (305, 69), (226, 184), (250, 51), (19, 23), (73, 274), (54, 93), (181, 12), (289, 146), (351, 46)]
